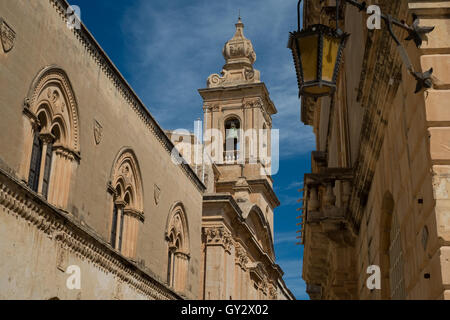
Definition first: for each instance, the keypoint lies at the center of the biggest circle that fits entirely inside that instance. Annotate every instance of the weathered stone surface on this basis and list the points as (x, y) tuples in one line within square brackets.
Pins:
[(398, 146), (87, 177)]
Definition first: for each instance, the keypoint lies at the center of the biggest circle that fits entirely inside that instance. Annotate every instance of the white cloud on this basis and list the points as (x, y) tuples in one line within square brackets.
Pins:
[(295, 185), (285, 237)]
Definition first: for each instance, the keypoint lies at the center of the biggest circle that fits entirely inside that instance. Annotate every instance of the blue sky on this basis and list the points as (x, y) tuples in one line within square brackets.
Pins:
[(166, 49)]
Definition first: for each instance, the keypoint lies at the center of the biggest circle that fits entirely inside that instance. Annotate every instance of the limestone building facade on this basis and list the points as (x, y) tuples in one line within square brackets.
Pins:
[(378, 194), (87, 180)]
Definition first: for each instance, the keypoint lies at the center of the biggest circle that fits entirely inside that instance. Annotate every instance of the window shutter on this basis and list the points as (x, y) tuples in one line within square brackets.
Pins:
[(114, 227), (48, 165), (35, 165)]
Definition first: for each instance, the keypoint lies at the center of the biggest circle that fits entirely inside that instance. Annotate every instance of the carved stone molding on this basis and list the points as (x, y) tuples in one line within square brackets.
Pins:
[(241, 257), (71, 237), (218, 236), (139, 215), (273, 294)]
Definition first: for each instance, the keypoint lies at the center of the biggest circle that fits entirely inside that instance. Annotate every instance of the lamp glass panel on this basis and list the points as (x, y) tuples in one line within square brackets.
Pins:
[(308, 47), (329, 58)]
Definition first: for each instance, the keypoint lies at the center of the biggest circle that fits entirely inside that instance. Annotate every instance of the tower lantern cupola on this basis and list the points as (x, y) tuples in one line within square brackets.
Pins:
[(239, 59)]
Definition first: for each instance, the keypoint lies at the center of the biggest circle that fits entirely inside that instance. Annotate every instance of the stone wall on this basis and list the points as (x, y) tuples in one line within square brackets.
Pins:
[(396, 144), (110, 118)]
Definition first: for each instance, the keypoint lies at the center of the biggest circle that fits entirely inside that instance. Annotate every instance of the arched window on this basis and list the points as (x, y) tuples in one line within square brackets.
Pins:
[(232, 139), (391, 259), (177, 237), (52, 136), (127, 204)]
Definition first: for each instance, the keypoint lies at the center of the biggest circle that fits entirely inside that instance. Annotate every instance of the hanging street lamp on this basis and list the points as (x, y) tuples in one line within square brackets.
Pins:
[(318, 50)]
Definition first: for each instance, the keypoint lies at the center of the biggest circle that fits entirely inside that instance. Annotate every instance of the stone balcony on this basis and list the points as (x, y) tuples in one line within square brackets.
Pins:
[(327, 234)]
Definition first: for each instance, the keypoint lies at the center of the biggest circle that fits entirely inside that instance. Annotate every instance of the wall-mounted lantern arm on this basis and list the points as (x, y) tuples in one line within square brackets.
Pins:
[(416, 32), (423, 79)]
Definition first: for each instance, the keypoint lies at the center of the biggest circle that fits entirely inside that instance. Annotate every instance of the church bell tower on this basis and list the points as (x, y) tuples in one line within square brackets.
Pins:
[(238, 121)]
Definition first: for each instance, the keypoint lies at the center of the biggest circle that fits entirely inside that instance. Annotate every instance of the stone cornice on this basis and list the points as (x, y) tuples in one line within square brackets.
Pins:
[(223, 197), (128, 94), (19, 201), (211, 94), (268, 190)]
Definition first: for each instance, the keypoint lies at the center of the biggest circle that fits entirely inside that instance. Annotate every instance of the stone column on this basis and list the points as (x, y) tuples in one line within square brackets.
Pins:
[(46, 139), (215, 286), (30, 127), (131, 220), (120, 206), (181, 261)]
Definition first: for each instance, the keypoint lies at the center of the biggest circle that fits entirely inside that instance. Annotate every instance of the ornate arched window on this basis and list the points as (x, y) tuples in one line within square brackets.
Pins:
[(127, 204), (232, 139), (52, 151), (177, 237)]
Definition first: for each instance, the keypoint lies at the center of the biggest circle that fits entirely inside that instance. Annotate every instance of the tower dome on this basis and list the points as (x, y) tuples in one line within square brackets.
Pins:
[(239, 50), (239, 59)]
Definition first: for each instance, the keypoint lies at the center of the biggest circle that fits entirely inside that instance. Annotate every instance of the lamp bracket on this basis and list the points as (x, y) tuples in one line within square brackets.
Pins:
[(416, 33)]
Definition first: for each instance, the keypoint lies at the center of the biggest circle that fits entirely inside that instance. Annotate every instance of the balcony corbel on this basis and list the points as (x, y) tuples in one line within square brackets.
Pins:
[(323, 214)]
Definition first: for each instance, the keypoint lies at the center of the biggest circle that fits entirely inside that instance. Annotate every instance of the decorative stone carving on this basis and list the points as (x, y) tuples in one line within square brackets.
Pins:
[(227, 241), (273, 295), (156, 194), (7, 35), (241, 256), (98, 132), (53, 87), (219, 236), (213, 235), (240, 57), (77, 241)]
